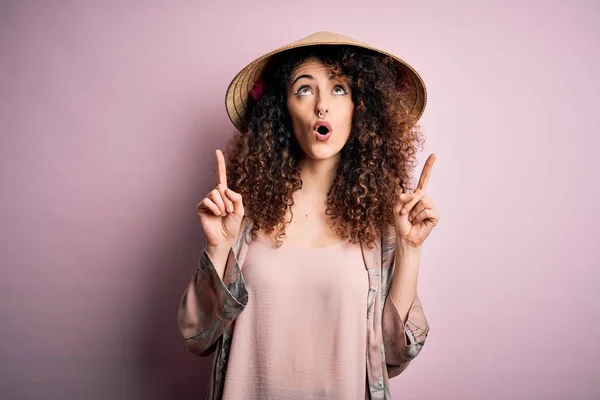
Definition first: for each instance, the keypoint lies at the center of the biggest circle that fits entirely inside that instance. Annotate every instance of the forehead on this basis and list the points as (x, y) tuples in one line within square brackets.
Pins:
[(312, 66)]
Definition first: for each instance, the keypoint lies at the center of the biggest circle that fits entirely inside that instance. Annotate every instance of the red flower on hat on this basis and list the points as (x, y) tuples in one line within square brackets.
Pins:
[(257, 89), (402, 81)]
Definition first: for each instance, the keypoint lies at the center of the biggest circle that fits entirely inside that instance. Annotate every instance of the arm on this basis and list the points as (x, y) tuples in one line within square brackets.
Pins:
[(211, 301), (405, 326)]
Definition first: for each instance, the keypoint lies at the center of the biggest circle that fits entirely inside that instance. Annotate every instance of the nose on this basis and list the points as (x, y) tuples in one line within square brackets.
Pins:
[(321, 109), (321, 112)]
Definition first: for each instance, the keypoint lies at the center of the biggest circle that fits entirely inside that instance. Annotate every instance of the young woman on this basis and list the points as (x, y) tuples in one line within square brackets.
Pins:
[(307, 284)]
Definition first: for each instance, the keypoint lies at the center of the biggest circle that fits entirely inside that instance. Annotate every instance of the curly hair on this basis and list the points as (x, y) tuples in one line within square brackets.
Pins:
[(376, 162)]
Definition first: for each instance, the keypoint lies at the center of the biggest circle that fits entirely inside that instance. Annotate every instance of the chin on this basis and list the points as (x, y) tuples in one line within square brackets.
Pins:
[(321, 152)]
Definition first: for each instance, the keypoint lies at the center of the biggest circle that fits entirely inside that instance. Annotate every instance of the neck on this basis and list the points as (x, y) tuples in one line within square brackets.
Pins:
[(317, 175)]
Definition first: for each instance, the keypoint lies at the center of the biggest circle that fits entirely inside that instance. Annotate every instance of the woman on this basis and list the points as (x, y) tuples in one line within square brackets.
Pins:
[(306, 287)]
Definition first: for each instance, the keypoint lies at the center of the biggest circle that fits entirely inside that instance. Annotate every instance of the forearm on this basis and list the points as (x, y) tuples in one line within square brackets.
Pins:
[(404, 281)]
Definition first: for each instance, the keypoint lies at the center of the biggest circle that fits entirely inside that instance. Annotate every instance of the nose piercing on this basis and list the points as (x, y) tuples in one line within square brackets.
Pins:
[(320, 116)]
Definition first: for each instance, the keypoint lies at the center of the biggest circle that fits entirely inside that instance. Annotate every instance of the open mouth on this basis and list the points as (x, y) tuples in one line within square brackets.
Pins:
[(322, 127), (323, 130)]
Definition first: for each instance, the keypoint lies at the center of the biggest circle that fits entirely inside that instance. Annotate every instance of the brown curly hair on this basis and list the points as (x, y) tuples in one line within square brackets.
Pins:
[(376, 162)]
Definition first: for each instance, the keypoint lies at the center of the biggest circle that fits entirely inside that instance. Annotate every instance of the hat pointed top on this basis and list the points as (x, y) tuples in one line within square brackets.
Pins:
[(324, 37)]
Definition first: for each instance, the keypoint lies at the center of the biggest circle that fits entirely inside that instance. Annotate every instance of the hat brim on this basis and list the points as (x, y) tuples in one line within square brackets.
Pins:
[(238, 91)]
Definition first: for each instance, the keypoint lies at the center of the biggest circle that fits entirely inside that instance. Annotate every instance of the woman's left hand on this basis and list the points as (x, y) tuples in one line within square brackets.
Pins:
[(414, 213)]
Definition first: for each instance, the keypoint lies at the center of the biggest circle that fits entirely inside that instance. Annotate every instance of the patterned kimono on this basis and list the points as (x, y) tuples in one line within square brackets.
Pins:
[(210, 305)]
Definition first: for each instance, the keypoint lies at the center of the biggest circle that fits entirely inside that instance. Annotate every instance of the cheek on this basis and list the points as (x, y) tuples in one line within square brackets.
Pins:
[(347, 123), (348, 117), (298, 112), (291, 110), (297, 123), (294, 115)]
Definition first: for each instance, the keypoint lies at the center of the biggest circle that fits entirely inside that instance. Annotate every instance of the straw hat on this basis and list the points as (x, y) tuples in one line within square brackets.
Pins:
[(237, 95)]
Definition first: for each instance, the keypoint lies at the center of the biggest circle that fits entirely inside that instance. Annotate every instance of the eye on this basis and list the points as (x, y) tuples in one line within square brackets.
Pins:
[(343, 91), (303, 91)]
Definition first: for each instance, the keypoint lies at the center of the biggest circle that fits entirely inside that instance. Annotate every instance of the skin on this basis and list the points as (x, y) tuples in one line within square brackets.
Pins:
[(313, 89)]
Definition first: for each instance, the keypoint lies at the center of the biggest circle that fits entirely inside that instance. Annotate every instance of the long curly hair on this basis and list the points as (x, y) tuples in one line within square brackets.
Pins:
[(376, 162)]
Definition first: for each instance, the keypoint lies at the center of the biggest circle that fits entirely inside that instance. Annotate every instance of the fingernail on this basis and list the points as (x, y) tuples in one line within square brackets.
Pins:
[(230, 208)]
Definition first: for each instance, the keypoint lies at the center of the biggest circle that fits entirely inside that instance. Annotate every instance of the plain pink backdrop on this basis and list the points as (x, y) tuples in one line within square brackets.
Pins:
[(110, 113)]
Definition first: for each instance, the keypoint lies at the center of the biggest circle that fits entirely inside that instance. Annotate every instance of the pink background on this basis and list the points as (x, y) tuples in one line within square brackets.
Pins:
[(110, 113)]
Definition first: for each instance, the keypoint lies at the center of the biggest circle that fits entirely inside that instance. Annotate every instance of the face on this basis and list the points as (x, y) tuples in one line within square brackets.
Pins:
[(314, 98)]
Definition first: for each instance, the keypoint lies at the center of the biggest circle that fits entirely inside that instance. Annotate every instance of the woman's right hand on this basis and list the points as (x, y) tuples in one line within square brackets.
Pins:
[(221, 211)]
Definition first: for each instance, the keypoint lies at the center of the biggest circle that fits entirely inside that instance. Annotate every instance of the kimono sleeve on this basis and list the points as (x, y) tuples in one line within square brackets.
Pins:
[(403, 340), (210, 304)]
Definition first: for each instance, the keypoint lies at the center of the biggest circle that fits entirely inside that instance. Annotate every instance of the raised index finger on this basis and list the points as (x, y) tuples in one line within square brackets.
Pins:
[(221, 170), (426, 173)]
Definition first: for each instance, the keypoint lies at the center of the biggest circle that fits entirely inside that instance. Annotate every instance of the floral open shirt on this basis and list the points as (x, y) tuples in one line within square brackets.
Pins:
[(210, 305)]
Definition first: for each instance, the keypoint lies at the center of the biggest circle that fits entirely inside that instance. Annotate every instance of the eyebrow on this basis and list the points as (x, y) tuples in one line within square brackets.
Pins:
[(331, 77)]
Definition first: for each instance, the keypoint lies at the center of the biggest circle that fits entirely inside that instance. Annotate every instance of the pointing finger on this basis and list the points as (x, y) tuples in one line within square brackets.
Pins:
[(426, 173), (221, 169)]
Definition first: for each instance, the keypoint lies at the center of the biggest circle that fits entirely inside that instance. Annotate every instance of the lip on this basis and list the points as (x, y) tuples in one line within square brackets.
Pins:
[(322, 123), (322, 138), (318, 136)]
